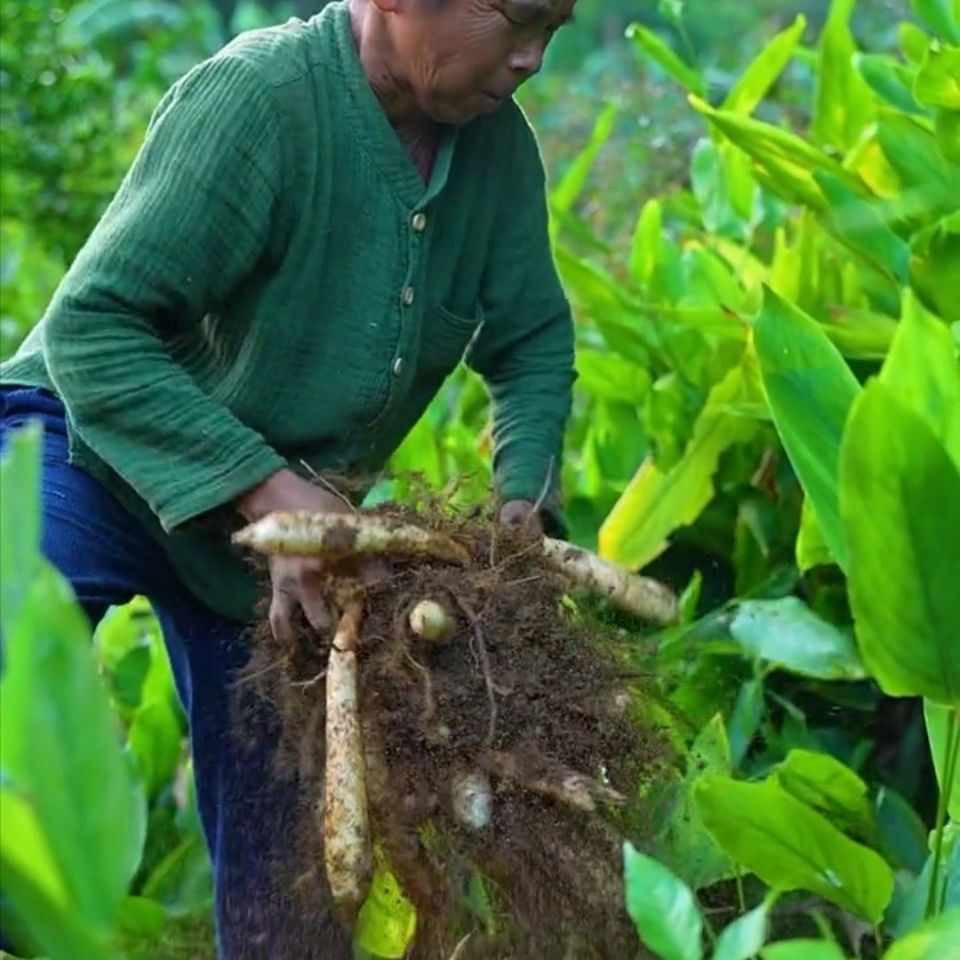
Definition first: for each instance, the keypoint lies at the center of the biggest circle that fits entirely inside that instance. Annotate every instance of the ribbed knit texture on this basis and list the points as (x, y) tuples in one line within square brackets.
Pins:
[(257, 295)]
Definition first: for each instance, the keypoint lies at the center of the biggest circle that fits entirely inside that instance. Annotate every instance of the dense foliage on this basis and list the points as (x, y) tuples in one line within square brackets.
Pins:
[(764, 258)]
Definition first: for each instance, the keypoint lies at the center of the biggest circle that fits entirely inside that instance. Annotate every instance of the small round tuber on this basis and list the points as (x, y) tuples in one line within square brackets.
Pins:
[(472, 799), (431, 621)]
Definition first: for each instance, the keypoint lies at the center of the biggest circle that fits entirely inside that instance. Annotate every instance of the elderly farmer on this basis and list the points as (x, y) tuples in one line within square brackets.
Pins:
[(323, 218)]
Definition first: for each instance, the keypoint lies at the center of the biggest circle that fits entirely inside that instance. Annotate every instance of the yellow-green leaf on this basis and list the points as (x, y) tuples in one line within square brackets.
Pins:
[(656, 504), (937, 83), (649, 44), (764, 71), (844, 104), (387, 923)]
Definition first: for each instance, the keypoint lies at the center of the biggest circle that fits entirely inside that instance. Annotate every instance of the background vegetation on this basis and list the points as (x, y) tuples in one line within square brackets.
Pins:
[(755, 211)]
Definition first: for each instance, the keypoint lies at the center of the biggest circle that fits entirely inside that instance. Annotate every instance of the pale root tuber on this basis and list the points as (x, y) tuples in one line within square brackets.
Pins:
[(472, 799), (337, 536), (630, 593), (346, 827), (432, 621)]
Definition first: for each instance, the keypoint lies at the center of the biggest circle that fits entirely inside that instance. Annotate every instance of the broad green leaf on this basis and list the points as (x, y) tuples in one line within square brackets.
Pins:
[(900, 503), (810, 390), (710, 283), (812, 550), (19, 517), (156, 742), (924, 375), (655, 504), (860, 334), (743, 938), (126, 679), (662, 908), (914, 42), (951, 892), (827, 785), (937, 718), (792, 847), (901, 834), (419, 454), (612, 378), (857, 223), (568, 190), (649, 44), (182, 881), (24, 847), (844, 105), (935, 267), (71, 764), (936, 939), (765, 69), (745, 719), (788, 633), (941, 16), (142, 918), (937, 82), (61, 932), (890, 80), (803, 950), (929, 183), (947, 129), (710, 186), (685, 846)]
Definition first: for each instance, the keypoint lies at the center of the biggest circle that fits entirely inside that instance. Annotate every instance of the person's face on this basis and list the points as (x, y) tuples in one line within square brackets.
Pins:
[(466, 57)]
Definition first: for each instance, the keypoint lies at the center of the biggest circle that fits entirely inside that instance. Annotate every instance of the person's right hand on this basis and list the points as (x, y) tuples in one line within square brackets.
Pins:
[(297, 582)]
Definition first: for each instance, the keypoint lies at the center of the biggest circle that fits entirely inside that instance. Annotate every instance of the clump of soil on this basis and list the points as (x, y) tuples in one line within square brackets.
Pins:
[(522, 675)]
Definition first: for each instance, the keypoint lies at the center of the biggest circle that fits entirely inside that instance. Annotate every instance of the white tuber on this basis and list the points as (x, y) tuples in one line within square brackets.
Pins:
[(432, 621)]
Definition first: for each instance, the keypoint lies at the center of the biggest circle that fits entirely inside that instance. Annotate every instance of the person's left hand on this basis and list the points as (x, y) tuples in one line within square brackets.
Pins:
[(521, 513)]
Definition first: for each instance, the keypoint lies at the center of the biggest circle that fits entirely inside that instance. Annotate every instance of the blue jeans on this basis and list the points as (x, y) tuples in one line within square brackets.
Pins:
[(247, 809)]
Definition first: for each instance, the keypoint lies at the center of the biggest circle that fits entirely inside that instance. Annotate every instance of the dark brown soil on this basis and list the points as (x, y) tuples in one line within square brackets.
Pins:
[(559, 694)]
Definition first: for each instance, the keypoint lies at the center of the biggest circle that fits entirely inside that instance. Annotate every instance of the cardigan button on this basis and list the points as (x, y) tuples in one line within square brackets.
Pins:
[(398, 366), (419, 222), (408, 296)]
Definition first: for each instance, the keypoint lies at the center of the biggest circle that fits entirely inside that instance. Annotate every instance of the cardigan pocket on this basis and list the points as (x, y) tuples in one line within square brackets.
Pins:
[(444, 340)]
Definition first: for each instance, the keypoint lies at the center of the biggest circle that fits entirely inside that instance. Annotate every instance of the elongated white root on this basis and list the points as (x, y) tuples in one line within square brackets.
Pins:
[(630, 593), (339, 535), (550, 779), (346, 826)]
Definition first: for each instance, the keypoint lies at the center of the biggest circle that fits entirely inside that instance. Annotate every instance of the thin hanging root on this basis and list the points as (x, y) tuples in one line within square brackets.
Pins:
[(549, 779), (483, 658), (346, 826), (337, 535), (637, 596)]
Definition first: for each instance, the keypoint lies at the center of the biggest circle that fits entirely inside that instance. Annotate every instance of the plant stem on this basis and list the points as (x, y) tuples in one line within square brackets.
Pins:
[(741, 899), (952, 750), (707, 925)]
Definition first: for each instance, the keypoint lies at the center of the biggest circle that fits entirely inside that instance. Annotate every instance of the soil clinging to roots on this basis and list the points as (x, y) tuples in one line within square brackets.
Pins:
[(523, 692)]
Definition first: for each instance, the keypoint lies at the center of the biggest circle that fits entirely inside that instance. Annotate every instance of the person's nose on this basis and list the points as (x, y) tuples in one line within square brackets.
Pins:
[(527, 59)]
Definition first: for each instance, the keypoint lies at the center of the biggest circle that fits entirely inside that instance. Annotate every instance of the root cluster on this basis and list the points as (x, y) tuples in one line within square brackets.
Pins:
[(466, 724)]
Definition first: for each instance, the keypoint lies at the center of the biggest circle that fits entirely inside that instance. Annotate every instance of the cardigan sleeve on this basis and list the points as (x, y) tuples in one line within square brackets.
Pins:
[(190, 220), (525, 350)]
